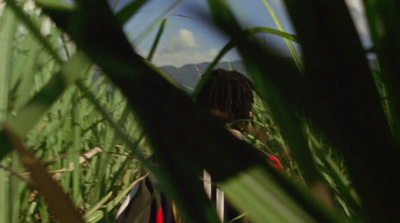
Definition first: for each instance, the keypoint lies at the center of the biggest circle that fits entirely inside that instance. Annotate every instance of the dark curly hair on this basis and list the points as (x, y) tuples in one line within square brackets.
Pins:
[(230, 92)]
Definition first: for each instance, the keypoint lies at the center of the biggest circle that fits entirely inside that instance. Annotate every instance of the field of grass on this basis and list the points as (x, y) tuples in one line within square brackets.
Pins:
[(81, 114)]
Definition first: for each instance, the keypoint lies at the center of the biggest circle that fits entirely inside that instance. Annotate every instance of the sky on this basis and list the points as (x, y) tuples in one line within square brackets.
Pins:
[(188, 39)]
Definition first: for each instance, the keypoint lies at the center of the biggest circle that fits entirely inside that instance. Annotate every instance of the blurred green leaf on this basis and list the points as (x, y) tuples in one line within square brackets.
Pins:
[(272, 205)]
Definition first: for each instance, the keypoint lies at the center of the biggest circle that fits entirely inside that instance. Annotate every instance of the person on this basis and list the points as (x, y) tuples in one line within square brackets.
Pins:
[(228, 95)]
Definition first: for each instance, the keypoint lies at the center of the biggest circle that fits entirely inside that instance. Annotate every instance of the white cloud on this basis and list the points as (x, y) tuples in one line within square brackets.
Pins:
[(179, 58), (186, 39), (185, 50)]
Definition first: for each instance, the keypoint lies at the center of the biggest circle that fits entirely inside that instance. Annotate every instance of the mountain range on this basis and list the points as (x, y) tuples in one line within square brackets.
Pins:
[(187, 76)]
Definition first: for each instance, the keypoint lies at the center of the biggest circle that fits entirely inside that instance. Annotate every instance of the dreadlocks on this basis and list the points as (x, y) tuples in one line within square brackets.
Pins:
[(230, 92)]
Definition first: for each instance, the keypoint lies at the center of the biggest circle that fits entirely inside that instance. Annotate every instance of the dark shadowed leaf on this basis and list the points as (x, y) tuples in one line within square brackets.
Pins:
[(349, 111)]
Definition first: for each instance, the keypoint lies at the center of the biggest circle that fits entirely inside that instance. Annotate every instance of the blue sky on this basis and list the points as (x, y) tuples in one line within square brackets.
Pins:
[(189, 39)]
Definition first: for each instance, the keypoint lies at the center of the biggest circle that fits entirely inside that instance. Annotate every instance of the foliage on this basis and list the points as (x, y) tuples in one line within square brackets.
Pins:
[(93, 94)]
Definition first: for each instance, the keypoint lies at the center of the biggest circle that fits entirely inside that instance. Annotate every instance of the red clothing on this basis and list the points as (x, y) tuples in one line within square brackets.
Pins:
[(159, 218), (275, 163)]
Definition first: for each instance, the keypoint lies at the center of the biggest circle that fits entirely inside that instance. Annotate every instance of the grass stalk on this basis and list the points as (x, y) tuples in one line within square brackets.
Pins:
[(7, 31), (297, 59)]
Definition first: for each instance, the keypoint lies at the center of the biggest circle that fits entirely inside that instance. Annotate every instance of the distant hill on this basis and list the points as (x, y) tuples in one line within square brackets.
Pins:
[(189, 74)]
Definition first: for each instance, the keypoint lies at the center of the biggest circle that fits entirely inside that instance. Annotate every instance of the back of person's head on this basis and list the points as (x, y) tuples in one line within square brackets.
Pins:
[(229, 93)]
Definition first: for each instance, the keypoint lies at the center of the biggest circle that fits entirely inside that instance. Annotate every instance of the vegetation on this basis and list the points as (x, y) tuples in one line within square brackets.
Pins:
[(81, 113)]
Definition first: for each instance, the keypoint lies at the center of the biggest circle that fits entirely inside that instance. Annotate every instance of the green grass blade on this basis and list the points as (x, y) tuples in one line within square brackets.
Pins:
[(289, 44), (95, 217), (43, 211), (383, 20), (7, 31), (156, 40), (77, 147), (114, 124), (16, 186), (94, 208)]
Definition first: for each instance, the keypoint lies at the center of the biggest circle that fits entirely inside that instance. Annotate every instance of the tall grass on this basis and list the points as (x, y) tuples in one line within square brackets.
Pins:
[(59, 124), (91, 110)]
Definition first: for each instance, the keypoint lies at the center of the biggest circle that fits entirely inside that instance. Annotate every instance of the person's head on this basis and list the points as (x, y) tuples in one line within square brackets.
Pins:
[(228, 94)]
